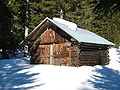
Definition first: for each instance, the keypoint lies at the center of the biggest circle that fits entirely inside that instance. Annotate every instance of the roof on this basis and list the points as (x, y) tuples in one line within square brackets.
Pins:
[(81, 35)]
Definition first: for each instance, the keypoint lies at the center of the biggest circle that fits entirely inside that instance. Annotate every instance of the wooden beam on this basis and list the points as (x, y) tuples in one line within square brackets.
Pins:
[(51, 54)]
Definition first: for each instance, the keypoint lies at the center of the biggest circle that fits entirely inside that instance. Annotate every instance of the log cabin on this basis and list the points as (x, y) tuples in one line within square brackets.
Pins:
[(60, 42)]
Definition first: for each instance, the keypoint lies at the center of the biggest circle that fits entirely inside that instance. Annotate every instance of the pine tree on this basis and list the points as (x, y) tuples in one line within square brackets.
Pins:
[(82, 12), (107, 7), (6, 19), (105, 23)]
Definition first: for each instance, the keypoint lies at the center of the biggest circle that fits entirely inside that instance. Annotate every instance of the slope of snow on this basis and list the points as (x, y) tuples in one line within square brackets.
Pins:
[(70, 25), (17, 74)]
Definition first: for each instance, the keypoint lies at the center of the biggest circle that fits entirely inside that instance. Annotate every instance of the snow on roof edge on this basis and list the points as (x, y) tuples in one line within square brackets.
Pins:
[(54, 22), (68, 24)]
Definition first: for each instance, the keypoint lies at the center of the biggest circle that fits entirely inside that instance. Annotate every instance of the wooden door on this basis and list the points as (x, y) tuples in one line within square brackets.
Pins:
[(62, 54), (44, 54), (55, 54)]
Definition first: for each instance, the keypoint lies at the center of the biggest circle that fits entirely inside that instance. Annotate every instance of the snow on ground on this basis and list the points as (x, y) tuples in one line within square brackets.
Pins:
[(17, 74)]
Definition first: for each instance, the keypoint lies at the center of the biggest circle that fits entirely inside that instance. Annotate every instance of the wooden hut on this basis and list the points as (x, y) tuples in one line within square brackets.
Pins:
[(60, 42)]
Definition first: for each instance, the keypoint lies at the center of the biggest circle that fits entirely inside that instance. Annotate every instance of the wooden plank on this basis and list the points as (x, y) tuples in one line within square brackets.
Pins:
[(61, 54), (39, 31), (51, 54), (44, 54), (99, 57), (50, 36)]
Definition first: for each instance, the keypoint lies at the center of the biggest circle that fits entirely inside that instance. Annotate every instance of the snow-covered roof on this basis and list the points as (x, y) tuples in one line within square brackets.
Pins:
[(68, 24), (81, 35)]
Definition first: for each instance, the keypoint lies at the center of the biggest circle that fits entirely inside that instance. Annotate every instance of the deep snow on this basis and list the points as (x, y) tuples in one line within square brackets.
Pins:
[(17, 74)]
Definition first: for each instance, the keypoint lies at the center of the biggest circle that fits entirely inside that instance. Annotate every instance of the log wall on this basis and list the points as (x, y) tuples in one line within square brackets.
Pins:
[(94, 57), (52, 48)]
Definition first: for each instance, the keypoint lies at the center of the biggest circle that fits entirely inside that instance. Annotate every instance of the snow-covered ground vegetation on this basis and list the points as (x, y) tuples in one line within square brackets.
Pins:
[(18, 74)]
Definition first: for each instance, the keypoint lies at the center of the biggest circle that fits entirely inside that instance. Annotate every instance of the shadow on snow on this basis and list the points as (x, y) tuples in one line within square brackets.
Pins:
[(10, 78), (108, 79)]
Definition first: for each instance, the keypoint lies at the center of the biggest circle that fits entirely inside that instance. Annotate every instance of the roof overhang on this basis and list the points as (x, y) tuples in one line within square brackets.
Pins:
[(81, 35)]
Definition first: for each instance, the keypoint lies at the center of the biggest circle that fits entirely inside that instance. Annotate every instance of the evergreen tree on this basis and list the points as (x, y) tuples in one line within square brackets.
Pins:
[(6, 18), (82, 12), (107, 7), (107, 21)]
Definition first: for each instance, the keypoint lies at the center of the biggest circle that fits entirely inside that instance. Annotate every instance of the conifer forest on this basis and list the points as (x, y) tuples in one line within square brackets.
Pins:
[(99, 16)]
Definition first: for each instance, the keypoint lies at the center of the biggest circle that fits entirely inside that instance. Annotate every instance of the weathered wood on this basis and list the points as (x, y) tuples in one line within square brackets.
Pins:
[(94, 57), (54, 46), (51, 54)]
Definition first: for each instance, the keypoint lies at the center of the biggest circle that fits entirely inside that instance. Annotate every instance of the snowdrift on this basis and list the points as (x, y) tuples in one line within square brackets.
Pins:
[(17, 74)]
